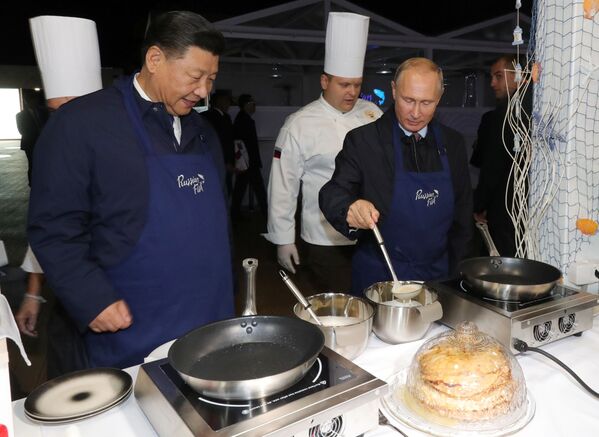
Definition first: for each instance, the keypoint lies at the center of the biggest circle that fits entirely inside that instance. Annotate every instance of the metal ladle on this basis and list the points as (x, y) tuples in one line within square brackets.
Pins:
[(398, 286), (299, 296)]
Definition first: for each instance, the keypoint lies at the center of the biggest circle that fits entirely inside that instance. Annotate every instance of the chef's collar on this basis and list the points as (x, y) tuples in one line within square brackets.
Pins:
[(332, 108), (422, 131)]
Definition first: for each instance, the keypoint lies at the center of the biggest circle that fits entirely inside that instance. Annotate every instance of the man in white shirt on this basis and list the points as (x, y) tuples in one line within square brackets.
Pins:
[(305, 153)]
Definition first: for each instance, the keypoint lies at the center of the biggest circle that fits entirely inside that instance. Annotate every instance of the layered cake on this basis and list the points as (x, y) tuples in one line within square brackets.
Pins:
[(466, 378)]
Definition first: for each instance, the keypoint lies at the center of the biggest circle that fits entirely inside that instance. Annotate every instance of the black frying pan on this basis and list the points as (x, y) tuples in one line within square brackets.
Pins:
[(504, 278), (246, 357)]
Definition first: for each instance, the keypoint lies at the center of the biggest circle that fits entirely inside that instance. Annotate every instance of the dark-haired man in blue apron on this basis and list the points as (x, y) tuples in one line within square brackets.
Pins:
[(128, 215), (409, 174)]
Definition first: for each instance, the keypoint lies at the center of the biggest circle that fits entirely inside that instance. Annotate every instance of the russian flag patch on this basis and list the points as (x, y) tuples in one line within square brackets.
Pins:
[(277, 154)]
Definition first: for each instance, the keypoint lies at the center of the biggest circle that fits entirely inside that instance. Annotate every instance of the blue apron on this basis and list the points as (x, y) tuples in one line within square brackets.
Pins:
[(178, 276), (415, 230)]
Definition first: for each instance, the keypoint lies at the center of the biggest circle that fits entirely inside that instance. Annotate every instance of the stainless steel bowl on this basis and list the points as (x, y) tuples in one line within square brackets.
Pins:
[(397, 320), (347, 321)]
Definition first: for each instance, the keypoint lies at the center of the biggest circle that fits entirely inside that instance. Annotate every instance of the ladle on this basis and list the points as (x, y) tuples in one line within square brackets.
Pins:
[(299, 296), (403, 290)]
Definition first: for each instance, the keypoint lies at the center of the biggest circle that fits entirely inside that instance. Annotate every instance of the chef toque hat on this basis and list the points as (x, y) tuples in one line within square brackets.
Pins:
[(67, 53), (345, 48)]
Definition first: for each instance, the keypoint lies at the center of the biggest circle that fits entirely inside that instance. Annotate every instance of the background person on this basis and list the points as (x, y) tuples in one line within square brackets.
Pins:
[(495, 189), (128, 215), (219, 117), (305, 153), (245, 130), (409, 174), (30, 122)]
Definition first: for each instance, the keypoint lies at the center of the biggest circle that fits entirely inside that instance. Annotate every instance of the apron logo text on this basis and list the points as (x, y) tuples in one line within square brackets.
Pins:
[(430, 197), (195, 182)]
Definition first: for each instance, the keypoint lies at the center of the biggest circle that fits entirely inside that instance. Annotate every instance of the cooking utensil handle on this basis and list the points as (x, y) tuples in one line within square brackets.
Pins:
[(378, 235), (379, 240), (484, 230), (249, 266), (299, 296)]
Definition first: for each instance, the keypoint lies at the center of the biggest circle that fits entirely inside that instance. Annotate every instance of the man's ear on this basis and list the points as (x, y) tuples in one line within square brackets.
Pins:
[(440, 95), (154, 57), (324, 81)]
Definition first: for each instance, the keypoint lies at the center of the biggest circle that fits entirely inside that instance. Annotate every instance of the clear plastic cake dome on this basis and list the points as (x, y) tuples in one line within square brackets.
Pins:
[(462, 380), (467, 376)]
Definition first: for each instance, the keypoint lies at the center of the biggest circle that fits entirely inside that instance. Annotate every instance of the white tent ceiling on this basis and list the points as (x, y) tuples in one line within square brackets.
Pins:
[(291, 36)]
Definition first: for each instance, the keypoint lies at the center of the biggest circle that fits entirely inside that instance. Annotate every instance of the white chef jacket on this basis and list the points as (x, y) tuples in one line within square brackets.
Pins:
[(305, 151)]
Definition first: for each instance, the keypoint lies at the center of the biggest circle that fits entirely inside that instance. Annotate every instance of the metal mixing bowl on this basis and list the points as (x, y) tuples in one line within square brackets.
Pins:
[(397, 320), (347, 321)]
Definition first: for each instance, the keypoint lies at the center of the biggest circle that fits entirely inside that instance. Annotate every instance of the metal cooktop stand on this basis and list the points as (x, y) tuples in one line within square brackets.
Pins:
[(567, 312), (350, 406)]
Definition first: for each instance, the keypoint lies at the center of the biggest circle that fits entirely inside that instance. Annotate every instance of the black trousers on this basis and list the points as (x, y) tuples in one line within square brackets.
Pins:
[(66, 348), (253, 178), (329, 267), (503, 233)]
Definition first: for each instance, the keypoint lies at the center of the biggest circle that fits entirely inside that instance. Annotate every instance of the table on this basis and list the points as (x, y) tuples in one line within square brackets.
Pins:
[(563, 408)]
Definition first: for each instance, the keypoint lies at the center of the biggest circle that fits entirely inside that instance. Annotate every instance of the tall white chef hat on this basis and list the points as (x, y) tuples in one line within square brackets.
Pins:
[(68, 55), (345, 48)]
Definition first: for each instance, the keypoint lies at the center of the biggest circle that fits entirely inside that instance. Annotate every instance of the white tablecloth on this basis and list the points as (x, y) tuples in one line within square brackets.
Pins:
[(563, 408)]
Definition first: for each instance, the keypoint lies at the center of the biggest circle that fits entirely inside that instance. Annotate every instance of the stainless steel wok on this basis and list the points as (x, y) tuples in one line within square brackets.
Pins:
[(505, 278)]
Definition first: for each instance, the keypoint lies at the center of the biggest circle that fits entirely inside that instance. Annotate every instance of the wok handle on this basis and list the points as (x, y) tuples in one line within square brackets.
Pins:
[(299, 296), (249, 266), (484, 230)]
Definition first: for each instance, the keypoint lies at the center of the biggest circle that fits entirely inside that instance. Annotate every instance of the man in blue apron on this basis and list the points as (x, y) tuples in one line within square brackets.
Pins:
[(409, 174), (127, 215), (68, 56)]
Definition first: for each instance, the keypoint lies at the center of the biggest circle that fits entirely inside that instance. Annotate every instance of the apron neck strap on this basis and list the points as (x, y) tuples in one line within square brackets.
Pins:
[(132, 107)]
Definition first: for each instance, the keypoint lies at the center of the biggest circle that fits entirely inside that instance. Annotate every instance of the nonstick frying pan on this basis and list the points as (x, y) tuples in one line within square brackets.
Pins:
[(505, 278), (246, 357)]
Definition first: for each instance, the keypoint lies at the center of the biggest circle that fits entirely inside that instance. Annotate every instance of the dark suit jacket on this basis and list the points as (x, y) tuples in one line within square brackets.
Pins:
[(224, 129), (495, 165), (365, 167), (30, 122), (245, 130)]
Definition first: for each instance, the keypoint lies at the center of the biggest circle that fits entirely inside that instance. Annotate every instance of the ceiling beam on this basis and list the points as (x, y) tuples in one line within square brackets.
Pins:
[(278, 61), (511, 17), (267, 12), (375, 17), (423, 42)]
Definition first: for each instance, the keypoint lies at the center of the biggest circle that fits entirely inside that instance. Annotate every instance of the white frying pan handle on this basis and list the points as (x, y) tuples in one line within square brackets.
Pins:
[(484, 230)]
